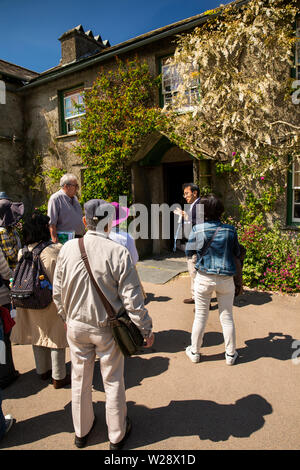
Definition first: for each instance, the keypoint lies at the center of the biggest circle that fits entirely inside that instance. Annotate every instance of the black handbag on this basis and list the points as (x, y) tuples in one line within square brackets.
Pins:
[(126, 334)]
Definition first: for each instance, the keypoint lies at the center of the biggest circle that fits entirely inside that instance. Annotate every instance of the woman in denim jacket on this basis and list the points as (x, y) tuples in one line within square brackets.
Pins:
[(216, 244)]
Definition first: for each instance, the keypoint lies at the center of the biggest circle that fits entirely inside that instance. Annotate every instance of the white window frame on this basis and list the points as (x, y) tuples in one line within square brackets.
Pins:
[(76, 114), (169, 87), (295, 188)]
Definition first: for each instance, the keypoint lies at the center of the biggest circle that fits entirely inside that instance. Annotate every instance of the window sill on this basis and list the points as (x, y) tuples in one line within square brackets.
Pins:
[(179, 111), (295, 226), (65, 136)]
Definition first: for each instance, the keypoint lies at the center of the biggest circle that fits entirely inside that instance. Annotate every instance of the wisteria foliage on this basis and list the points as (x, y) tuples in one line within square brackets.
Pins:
[(243, 58)]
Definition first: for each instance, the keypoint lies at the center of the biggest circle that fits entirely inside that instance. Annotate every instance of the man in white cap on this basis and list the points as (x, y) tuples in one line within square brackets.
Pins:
[(88, 330)]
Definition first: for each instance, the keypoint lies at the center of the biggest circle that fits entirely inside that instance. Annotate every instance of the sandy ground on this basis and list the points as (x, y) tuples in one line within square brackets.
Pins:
[(173, 403)]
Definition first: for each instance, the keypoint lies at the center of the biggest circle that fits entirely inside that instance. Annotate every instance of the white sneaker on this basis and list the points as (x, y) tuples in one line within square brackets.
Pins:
[(194, 357), (230, 360), (9, 422)]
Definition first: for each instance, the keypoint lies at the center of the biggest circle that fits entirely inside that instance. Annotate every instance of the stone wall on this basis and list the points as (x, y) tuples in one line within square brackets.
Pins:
[(44, 137), (42, 113), (12, 144)]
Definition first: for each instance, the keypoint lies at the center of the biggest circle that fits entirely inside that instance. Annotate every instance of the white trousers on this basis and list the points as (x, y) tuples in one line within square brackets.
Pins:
[(85, 343), (191, 265), (205, 285)]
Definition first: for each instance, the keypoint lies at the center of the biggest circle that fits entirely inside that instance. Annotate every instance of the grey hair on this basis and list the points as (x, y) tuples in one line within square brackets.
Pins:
[(99, 223), (91, 224), (67, 179)]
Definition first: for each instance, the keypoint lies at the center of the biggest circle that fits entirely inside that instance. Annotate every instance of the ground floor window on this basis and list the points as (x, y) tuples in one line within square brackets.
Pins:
[(294, 194), (205, 176), (297, 56)]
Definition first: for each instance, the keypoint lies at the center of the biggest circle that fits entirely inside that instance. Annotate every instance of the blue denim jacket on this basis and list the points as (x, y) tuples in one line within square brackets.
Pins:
[(219, 258)]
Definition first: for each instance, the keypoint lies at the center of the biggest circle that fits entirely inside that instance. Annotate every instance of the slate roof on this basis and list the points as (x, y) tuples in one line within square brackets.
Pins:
[(15, 71)]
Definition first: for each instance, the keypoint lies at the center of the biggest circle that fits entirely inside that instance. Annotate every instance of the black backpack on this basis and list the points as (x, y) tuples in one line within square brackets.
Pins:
[(31, 287)]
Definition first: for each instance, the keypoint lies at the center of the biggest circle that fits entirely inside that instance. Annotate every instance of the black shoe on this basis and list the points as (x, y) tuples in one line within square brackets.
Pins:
[(82, 441), (120, 444), (45, 375)]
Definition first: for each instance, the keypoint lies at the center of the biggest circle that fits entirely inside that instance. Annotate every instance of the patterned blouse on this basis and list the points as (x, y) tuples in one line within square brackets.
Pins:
[(10, 245)]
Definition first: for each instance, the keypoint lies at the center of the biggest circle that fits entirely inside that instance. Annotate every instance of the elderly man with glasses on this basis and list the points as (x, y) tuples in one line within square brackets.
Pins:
[(64, 209)]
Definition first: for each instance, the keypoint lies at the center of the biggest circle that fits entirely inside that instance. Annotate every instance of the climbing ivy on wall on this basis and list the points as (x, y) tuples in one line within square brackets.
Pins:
[(119, 114), (243, 56)]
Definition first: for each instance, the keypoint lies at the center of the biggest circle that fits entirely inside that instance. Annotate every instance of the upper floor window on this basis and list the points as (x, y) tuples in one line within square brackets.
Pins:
[(72, 110), (171, 81), (296, 192)]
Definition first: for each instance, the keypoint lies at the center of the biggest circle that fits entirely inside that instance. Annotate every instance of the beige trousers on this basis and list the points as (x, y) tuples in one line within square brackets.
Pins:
[(85, 343), (50, 358)]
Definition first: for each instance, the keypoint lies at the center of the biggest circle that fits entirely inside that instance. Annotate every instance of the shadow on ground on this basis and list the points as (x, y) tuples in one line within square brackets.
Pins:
[(39, 427), (28, 384), (152, 298), (207, 419), (276, 345), (252, 298), (247, 298), (136, 370)]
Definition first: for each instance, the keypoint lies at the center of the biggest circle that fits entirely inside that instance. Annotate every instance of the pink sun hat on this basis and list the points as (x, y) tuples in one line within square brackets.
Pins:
[(121, 214)]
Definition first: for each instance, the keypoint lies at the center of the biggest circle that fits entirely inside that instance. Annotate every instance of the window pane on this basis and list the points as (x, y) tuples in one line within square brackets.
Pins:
[(73, 105), (297, 195), (297, 179), (171, 80), (297, 211), (73, 125), (68, 107)]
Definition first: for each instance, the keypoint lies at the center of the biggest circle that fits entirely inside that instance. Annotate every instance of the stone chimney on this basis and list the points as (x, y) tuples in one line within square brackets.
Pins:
[(77, 44)]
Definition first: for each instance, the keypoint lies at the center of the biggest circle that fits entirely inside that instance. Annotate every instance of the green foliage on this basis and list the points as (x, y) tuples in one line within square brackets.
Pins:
[(35, 177), (255, 209), (119, 114), (272, 260), (54, 174), (43, 209), (242, 109), (224, 168)]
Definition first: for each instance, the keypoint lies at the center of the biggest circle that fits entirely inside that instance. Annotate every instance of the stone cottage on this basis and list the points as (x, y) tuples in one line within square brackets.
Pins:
[(39, 119)]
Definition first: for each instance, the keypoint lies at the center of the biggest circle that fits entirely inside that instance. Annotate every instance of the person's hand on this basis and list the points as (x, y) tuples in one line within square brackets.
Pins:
[(178, 211), (149, 341)]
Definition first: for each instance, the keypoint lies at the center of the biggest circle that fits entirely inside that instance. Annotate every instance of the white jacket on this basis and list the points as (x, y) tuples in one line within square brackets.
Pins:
[(77, 299)]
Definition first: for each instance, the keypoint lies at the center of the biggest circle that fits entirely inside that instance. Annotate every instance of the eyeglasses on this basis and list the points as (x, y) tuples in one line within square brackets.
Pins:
[(75, 185), (187, 194)]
